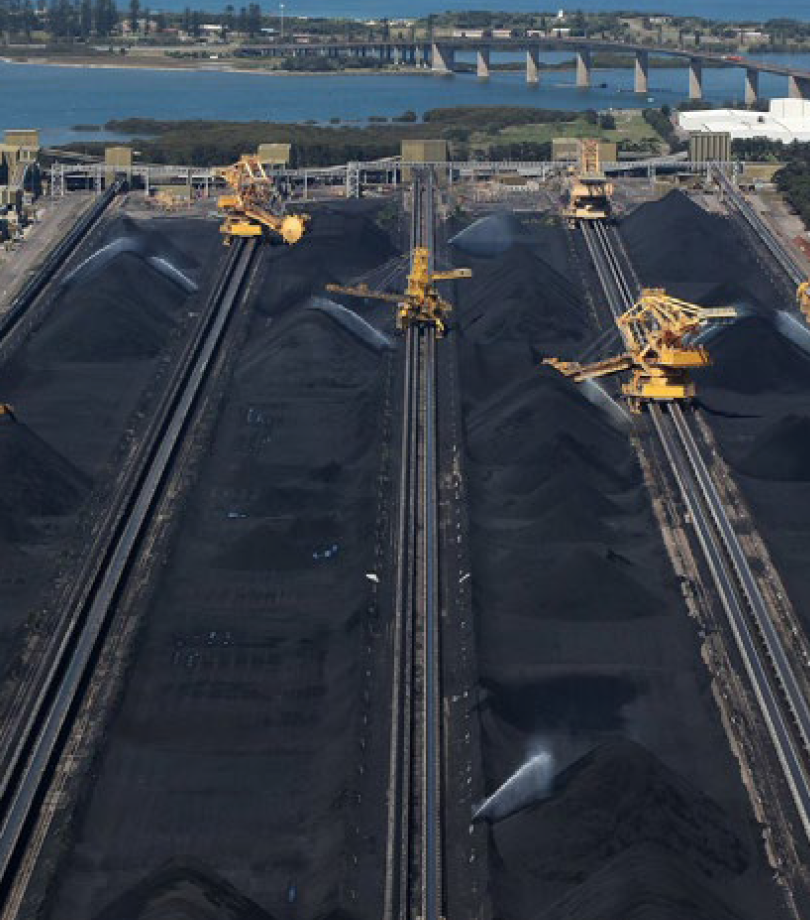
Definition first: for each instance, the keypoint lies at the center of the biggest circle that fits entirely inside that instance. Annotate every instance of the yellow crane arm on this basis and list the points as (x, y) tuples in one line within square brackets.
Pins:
[(363, 290), (580, 372), (451, 274)]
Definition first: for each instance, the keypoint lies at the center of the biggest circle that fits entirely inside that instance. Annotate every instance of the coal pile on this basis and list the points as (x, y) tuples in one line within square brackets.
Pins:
[(551, 309), (112, 321), (337, 246), (583, 639), (675, 244), (645, 885), (751, 356), (246, 702), (617, 798), (183, 891), (781, 452), (76, 382), (769, 454), (37, 480)]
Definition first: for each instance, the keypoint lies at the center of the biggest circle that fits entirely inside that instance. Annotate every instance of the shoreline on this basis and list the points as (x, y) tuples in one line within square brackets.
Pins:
[(139, 64), (201, 67)]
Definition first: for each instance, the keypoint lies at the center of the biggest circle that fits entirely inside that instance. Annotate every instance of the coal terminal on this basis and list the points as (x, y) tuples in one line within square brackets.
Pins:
[(241, 770)]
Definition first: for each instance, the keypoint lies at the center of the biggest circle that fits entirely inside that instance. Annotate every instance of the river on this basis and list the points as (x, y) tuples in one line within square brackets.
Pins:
[(55, 99), (736, 10)]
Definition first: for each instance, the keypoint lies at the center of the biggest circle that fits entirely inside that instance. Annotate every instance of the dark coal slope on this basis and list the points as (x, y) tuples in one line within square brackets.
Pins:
[(73, 418), (543, 418), (112, 320), (781, 452), (312, 348), (675, 244), (489, 236), (37, 480), (581, 632), (643, 885), (245, 705), (617, 797), (751, 356), (520, 298), (336, 246), (183, 891), (619, 801)]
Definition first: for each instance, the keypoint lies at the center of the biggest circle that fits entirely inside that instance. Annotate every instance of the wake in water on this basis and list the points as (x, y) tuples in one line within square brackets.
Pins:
[(528, 784)]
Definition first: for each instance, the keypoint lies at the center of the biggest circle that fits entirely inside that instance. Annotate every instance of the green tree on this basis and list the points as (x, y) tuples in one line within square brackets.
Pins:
[(85, 18), (228, 20), (254, 19), (134, 14)]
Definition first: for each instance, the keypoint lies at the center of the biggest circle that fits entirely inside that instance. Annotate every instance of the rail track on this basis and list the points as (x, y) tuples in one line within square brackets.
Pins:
[(789, 269), (774, 682), (31, 741), (414, 871)]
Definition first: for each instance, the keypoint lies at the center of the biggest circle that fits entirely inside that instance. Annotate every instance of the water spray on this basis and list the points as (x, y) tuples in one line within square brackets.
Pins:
[(528, 784)]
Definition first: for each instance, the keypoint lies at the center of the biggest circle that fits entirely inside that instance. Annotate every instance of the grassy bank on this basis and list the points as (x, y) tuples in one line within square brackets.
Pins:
[(519, 132)]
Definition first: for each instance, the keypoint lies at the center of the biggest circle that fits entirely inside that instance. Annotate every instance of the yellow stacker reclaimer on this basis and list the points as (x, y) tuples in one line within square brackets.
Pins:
[(655, 332), (421, 303), (252, 204), (589, 191)]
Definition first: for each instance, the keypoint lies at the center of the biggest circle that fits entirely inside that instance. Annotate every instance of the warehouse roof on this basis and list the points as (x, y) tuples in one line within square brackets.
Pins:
[(786, 120)]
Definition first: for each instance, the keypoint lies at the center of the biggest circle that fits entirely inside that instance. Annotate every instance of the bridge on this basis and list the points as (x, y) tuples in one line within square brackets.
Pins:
[(439, 55)]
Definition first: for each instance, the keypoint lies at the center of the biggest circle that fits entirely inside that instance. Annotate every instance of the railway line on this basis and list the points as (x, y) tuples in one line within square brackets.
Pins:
[(787, 265), (766, 661), (414, 865), (33, 737)]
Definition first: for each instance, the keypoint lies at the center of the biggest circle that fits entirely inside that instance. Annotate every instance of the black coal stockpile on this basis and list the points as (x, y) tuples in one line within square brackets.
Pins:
[(582, 634), (781, 452), (37, 481), (76, 383), (751, 356), (618, 801), (532, 276), (677, 245), (337, 246), (183, 891), (249, 707), (769, 452), (111, 320)]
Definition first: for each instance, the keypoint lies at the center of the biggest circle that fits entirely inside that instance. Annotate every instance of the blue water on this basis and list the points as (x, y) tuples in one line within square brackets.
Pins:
[(55, 99), (737, 10)]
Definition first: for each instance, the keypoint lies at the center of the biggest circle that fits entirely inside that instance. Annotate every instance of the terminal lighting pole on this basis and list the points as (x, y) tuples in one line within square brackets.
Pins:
[(281, 12)]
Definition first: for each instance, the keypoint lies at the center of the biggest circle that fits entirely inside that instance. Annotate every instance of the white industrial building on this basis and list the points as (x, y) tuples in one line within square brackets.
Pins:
[(786, 120)]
